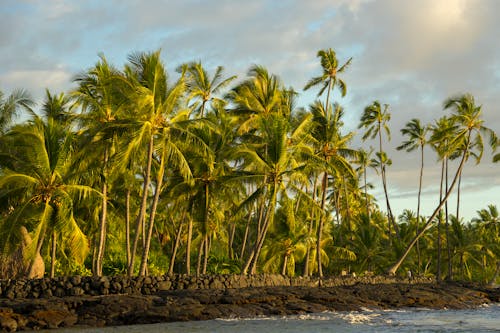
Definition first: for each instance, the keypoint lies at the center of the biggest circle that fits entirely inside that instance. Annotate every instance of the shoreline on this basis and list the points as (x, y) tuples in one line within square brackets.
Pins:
[(206, 304)]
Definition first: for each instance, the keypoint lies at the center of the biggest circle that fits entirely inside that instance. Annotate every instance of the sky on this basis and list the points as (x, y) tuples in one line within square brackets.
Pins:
[(411, 55)]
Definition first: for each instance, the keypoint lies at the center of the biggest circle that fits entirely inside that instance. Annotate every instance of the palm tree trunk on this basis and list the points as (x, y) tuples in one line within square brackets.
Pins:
[(269, 216), (174, 250), (367, 200), (152, 214), (200, 256), (285, 262), (31, 268), (324, 184), (447, 225), (419, 258), (392, 270), (207, 253), (102, 226), (188, 246), (231, 241), (127, 225), (245, 237), (142, 210), (310, 228), (53, 256)]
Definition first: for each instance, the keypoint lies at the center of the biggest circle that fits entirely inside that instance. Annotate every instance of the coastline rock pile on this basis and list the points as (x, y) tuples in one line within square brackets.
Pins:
[(149, 285), (106, 301)]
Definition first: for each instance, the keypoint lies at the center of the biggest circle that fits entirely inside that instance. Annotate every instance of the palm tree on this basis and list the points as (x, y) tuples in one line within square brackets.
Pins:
[(257, 97), (470, 130), (365, 161), (201, 87), (374, 120), (10, 105), (153, 121), (329, 79), (271, 169), (417, 139), (331, 154), (42, 178), (488, 221), (99, 95)]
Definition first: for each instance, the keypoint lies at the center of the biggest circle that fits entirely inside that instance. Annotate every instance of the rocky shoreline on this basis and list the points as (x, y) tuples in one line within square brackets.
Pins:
[(183, 304)]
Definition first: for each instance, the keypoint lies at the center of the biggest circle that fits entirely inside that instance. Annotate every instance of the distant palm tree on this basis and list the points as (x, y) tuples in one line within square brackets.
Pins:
[(10, 106), (467, 116), (328, 80), (201, 87), (374, 119), (417, 139), (331, 155), (100, 96)]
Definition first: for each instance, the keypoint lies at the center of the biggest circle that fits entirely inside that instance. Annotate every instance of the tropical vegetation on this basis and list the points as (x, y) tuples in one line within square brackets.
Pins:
[(136, 172)]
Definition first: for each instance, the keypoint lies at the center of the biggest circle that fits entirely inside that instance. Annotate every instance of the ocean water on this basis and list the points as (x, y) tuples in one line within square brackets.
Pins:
[(483, 319)]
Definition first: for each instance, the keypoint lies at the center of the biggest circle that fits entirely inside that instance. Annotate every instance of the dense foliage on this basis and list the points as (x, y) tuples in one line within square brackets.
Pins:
[(134, 172)]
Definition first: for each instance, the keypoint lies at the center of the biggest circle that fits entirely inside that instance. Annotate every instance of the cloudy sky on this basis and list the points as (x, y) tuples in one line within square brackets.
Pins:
[(409, 54)]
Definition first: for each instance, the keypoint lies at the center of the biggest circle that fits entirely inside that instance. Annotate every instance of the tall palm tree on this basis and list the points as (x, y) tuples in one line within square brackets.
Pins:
[(442, 133), (365, 161), (100, 96), (328, 80), (42, 177), (10, 106), (332, 153), (257, 97), (201, 87), (374, 119), (468, 117), (155, 104), (417, 139), (271, 169)]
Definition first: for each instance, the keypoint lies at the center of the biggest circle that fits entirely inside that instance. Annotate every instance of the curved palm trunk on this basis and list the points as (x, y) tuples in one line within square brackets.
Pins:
[(324, 185), (142, 209), (392, 270), (174, 250), (254, 257), (245, 237), (384, 186), (104, 213), (152, 214)]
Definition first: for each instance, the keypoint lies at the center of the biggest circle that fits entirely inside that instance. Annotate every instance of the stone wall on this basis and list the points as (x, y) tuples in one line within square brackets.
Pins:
[(88, 285)]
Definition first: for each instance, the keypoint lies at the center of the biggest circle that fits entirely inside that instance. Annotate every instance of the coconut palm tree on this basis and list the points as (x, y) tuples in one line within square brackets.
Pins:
[(257, 97), (42, 178), (11, 105), (328, 80), (100, 97), (156, 106), (332, 153), (417, 139), (203, 88), (470, 129), (271, 169), (488, 222), (374, 119)]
